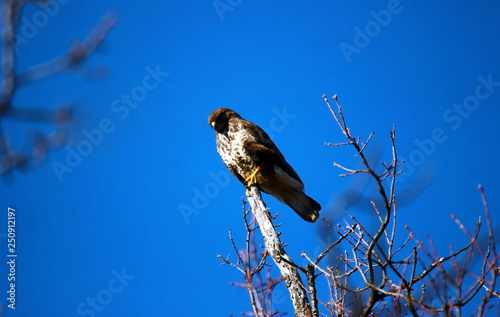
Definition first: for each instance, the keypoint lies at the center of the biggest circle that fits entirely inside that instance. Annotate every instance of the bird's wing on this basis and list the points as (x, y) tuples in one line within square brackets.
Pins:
[(264, 151)]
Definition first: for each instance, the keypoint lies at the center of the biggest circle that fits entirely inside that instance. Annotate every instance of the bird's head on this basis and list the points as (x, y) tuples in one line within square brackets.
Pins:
[(219, 119)]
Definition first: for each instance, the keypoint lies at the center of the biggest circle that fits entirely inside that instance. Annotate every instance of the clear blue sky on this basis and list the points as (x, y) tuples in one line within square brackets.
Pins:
[(151, 203)]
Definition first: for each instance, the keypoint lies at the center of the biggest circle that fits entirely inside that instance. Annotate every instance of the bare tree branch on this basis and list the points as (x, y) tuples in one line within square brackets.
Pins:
[(273, 244)]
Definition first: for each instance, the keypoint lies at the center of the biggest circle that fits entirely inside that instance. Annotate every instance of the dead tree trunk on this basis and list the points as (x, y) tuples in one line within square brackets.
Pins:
[(290, 274)]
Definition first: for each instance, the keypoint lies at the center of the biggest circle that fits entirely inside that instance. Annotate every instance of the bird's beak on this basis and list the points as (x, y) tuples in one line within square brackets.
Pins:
[(212, 124)]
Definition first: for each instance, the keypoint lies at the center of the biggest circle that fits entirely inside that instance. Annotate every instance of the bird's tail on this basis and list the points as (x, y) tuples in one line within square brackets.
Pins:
[(304, 205)]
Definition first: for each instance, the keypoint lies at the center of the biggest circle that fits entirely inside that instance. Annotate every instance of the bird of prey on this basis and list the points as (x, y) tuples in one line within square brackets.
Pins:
[(249, 153)]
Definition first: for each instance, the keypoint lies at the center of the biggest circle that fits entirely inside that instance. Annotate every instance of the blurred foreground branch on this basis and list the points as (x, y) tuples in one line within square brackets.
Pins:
[(35, 151)]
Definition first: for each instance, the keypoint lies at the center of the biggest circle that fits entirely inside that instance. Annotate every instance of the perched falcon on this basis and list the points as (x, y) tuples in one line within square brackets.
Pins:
[(252, 157)]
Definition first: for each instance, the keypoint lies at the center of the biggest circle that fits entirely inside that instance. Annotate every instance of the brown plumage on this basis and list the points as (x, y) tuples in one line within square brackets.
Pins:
[(252, 157)]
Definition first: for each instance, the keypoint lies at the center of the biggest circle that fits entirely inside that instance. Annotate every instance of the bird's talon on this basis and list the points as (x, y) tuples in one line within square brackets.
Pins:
[(252, 179)]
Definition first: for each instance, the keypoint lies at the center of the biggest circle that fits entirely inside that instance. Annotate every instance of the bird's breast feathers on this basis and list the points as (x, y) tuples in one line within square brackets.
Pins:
[(231, 148)]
